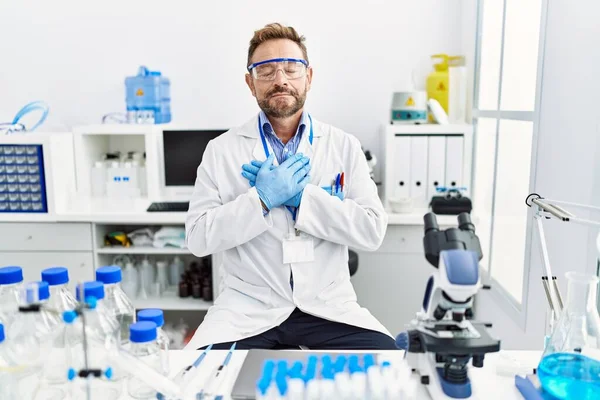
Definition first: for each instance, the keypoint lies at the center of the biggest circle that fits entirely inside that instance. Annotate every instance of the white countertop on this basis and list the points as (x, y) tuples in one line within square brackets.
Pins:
[(134, 212), (487, 383)]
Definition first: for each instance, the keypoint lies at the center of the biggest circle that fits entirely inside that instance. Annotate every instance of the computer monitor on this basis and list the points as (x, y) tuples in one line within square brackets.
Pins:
[(181, 152)]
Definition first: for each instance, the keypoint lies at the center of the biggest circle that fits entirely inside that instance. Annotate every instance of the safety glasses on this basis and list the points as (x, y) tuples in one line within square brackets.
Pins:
[(292, 68)]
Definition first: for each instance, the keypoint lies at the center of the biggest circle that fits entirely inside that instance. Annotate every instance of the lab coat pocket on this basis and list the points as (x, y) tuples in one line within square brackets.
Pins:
[(251, 293), (328, 178)]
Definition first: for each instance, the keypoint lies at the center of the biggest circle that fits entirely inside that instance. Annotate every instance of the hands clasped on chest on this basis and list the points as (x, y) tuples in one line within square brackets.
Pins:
[(279, 185)]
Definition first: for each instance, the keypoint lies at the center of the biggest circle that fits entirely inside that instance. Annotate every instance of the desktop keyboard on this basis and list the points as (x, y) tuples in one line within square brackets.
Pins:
[(172, 206)]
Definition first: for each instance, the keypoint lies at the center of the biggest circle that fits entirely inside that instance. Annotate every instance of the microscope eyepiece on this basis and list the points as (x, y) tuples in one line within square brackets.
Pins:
[(464, 222), (430, 223)]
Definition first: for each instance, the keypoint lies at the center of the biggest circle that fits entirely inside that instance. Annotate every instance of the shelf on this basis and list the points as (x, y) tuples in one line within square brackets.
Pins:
[(141, 250), (416, 218), (428, 128), (169, 301), (114, 129)]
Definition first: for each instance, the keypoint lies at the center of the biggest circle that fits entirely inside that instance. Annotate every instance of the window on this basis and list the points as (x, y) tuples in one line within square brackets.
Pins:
[(483, 194), (510, 213), (509, 33)]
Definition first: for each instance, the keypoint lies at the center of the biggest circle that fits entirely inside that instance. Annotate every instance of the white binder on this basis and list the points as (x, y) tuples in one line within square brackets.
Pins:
[(400, 185), (454, 161), (418, 170), (436, 165)]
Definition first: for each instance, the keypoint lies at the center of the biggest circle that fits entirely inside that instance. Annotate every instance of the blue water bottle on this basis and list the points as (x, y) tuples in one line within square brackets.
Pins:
[(148, 97)]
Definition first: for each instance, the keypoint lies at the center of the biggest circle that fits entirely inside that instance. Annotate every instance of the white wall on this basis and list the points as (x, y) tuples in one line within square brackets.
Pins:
[(76, 54), (567, 162)]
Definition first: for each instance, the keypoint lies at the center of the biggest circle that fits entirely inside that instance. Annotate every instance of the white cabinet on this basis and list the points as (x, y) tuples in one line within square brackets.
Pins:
[(37, 246), (79, 264), (53, 236)]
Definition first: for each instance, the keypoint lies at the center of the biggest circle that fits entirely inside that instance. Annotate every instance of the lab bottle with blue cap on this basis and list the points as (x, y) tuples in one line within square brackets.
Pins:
[(60, 300), (7, 387), (50, 331), (115, 299), (143, 335), (102, 339), (157, 316), (29, 340), (11, 281)]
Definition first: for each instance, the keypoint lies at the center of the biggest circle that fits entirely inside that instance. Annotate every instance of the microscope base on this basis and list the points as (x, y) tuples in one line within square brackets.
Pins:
[(432, 377)]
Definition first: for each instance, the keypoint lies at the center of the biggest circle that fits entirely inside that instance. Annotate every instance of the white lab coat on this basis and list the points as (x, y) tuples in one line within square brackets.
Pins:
[(225, 215)]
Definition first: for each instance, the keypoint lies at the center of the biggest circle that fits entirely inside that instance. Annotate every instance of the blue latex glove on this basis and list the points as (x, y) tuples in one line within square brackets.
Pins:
[(249, 171), (278, 184), (339, 194)]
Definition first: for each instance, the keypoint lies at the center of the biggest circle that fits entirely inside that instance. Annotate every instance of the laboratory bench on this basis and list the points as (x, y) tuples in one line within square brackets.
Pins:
[(390, 282), (490, 382)]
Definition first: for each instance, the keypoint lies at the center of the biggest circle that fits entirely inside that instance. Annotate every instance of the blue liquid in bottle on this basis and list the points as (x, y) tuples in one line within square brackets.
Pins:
[(570, 376)]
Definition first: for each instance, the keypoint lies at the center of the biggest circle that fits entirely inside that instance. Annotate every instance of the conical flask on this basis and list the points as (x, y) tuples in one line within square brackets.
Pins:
[(570, 366)]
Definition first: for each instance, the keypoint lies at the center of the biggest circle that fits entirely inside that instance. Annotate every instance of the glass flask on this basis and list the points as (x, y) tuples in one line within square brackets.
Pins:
[(570, 366)]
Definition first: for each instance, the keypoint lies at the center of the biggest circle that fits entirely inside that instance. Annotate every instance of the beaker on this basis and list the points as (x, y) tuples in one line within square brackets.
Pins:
[(570, 366)]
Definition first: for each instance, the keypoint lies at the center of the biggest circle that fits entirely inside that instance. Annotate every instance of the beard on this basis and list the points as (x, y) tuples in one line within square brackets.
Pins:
[(281, 107)]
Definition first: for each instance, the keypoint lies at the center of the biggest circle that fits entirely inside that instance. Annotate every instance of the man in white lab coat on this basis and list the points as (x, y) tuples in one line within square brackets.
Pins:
[(282, 198)]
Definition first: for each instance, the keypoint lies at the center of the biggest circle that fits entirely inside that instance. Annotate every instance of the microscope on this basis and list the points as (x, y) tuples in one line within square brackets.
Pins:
[(443, 339)]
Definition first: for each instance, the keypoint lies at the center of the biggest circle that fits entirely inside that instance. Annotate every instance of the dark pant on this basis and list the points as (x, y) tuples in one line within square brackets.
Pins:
[(316, 334)]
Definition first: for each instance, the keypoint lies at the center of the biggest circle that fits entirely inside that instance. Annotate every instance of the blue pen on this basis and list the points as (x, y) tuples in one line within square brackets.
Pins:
[(337, 183), (213, 387)]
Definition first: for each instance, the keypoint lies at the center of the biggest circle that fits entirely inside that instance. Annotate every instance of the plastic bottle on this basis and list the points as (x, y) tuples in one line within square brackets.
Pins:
[(147, 276), (50, 332), (7, 388), (142, 178), (393, 385), (358, 377), (98, 181), (438, 82), (164, 114), (342, 378), (162, 278), (265, 386), (130, 179), (130, 281), (102, 337), (60, 300), (295, 382), (176, 268), (115, 300), (328, 390), (11, 281), (29, 343), (157, 316), (148, 97), (144, 346), (113, 178)]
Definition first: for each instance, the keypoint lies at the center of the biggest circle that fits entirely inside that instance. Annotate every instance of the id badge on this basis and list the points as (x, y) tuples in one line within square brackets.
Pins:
[(298, 249)]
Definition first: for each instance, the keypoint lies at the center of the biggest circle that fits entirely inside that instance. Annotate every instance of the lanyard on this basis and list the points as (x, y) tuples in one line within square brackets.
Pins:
[(264, 142), (264, 139)]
